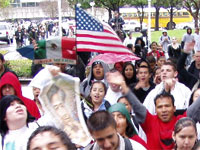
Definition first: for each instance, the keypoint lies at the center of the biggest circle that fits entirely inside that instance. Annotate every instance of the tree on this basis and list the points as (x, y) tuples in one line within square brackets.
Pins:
[(50, 7), (157, 4), (193, 7), (140, 5), (84, 3), (5, 3), (112, 5), (172, 5)]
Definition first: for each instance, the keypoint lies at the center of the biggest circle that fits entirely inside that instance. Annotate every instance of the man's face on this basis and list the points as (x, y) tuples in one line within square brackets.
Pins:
[(107, 139), (197, 60), (49, 141), (114, 87), (98, 72), (167, 72), (165, 109), (143, 75), (8, 89)]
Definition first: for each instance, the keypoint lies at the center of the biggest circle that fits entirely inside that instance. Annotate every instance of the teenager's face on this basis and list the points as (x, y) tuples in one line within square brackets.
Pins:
[(107, 139), (49, 140), (143, 75), (129, 71), (97, 93), (8, 89), (16, 111), (185, 138), (98, 72), (167, 72), (36, 92)]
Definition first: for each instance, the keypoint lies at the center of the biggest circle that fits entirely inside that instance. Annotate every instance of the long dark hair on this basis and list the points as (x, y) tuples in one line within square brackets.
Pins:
[(133, 79), (4, 104)]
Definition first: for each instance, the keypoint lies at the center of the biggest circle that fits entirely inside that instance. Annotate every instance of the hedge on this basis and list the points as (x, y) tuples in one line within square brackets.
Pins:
[(21, 67)]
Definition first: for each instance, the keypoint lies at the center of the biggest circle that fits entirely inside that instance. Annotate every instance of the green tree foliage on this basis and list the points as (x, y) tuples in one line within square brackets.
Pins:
[(140, 5), (172, 6), (5, 3), (193, 7), (112, 5)]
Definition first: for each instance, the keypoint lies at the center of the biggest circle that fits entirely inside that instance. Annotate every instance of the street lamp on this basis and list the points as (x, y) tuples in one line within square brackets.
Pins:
[(92, 5), (149, 24)]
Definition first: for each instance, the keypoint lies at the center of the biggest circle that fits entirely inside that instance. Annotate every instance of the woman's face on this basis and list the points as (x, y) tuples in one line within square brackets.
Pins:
[(97, 93), (129, 72), (174, 40), (126, 103), (121, 123), (196, 95), (185, 138), (154, 46), (16, 111)]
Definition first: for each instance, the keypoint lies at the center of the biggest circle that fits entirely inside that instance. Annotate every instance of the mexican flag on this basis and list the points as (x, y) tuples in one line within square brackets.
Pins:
[(56, 50)]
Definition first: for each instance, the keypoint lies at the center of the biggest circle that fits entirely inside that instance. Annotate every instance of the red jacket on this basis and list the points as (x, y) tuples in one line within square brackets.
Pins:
[(10, 78), (158, 132), (156, 54)]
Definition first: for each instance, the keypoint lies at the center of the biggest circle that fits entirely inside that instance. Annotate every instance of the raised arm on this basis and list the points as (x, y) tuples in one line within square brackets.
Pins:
[(139, 110), (193, 110)]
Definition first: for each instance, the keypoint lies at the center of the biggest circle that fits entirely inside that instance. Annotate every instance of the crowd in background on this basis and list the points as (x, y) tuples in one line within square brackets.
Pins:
[(152, 103)]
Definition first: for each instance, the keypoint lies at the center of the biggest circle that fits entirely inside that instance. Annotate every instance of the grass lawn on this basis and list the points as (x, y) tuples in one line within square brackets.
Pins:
[(155, 35)]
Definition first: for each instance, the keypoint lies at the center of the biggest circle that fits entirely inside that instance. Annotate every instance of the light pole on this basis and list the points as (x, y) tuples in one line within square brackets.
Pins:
[(92, 5), (149, 24)]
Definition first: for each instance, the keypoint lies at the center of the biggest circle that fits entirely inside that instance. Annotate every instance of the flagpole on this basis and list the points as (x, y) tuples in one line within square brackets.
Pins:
[(149, 24), (60, 18), (76, 5)]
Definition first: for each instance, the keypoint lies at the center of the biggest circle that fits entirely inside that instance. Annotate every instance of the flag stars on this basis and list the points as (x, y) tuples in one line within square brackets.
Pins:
[(87, 22)]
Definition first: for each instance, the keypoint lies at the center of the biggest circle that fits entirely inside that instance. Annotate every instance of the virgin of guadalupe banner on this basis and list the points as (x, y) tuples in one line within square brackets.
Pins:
[(61, 99)]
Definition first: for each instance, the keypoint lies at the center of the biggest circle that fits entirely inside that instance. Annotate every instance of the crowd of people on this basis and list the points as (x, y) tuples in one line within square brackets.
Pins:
[(26, 34), (152, 103)]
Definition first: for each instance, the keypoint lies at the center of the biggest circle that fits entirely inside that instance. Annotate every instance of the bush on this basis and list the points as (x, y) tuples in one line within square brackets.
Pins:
[(21, 67)]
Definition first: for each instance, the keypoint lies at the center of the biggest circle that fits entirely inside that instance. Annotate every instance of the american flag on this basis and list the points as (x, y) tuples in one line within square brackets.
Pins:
[(95, 36)]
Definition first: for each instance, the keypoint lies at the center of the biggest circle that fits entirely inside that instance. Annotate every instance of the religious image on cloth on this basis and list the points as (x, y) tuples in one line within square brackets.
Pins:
[(61, 99)]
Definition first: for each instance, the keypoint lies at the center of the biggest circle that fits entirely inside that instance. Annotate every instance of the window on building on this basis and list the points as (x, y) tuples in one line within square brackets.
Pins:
[(31, 4)]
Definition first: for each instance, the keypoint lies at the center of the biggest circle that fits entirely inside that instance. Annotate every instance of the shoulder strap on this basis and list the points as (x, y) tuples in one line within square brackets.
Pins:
[(195, 85), (128, 145), (107, 105)]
